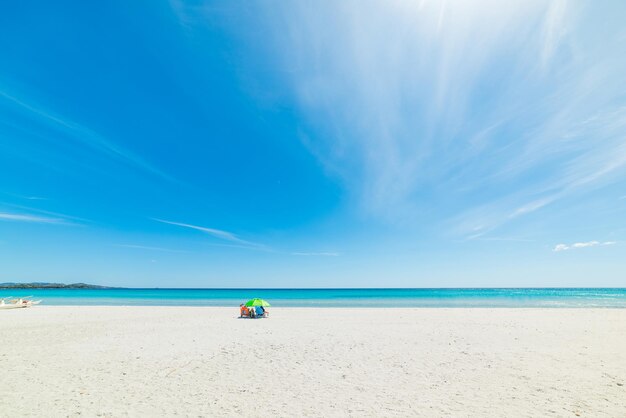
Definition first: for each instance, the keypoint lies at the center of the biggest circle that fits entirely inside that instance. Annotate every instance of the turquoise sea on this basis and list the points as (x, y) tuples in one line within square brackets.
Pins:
[(480, 297)]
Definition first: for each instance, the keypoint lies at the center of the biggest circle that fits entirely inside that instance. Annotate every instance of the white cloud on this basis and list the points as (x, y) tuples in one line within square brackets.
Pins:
[(560, 247), (565, 247), (585, 244)]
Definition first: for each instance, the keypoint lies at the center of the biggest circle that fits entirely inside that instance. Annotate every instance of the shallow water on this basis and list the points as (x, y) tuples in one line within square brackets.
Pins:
[(482, 297)]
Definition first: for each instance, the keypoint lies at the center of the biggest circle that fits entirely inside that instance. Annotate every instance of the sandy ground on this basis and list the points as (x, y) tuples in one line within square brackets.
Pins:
[(147, 361)]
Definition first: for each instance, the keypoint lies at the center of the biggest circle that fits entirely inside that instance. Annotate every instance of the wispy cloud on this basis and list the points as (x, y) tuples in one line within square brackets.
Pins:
[(217, 233), (234, 241), (317, 254), (36, 212), (503, 239), (256, 247), (21, 217), (394, 116), (553, 30), (86, 136), (398, 103), (25, 197), (576, 245), (145, 247)]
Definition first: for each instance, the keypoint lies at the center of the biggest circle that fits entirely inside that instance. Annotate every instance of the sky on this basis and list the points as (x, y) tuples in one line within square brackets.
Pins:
[(313, 144)]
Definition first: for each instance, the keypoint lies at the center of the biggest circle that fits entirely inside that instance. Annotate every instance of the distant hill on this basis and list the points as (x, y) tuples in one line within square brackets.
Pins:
[(41, 285)]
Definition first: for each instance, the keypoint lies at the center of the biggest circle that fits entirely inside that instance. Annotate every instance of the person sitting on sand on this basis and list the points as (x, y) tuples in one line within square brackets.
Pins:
[(260, 311), (244, 311)]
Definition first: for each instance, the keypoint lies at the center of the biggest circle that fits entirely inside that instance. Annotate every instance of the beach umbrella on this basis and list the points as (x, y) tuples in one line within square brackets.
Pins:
[(257, 302)]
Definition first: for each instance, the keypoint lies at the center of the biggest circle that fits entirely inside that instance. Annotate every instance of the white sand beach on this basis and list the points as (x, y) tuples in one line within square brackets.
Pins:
[(153, 361)]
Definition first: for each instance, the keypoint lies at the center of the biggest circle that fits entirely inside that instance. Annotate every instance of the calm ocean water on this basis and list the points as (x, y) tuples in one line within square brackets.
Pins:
[(553, 298)]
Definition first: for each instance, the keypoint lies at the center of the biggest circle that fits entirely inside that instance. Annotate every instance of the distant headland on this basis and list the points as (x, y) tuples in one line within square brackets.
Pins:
[(41, 285)]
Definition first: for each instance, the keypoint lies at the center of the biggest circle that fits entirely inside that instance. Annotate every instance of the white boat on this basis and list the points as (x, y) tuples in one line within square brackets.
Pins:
[(8, 303)]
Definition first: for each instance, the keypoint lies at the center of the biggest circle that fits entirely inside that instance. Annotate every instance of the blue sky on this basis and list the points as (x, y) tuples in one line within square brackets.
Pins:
[(313, 144)]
